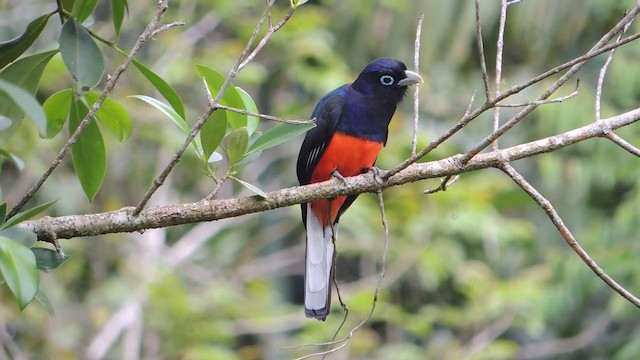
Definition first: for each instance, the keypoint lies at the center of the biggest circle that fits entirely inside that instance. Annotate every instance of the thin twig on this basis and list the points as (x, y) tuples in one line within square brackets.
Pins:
[(444, 185), (166, 27), (498, 79), (416, 91), (542, 102), (111, 83), (565, 233), (623, 143), (483, 61), (265, 117)]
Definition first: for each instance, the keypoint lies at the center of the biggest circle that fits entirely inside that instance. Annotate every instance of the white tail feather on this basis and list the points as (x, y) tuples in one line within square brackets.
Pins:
[(318, 264)]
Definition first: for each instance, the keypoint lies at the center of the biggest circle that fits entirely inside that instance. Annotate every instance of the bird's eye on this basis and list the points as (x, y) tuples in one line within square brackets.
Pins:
[(386, 80)]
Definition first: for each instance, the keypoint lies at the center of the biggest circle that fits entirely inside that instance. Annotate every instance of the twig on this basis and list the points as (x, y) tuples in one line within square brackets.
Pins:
[(565, 233), (416, 91), (444, 185), (498, 79), (111, 83), (623, 143), (263, 116), (483, 60), (542, 102), (242, 61), (166, 27)]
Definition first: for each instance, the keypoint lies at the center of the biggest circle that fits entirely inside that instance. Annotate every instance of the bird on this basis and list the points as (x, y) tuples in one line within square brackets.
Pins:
[(352, 125)]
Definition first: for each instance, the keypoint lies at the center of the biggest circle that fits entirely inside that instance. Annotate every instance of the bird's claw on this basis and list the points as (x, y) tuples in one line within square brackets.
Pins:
[(377, 174), (336, 174)]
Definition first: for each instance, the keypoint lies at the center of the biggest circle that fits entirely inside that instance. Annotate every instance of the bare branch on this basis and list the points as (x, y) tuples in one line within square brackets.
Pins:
[(125, 220), (565, 232), (623, 144), (483, 61), (263, 116), (166, 27), (542, 102), (416, 91), (498, 79)]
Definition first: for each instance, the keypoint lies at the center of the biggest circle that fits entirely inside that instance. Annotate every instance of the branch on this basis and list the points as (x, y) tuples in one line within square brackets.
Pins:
[(124, 220)]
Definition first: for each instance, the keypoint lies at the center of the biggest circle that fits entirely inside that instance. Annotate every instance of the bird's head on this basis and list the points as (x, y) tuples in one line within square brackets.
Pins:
[(386, 78)]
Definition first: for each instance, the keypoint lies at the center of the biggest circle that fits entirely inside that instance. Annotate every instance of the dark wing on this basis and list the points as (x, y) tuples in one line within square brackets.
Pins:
[(327, 113)]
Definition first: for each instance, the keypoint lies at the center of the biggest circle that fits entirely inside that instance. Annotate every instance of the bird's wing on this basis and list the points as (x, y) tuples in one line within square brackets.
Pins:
[(327, 113)]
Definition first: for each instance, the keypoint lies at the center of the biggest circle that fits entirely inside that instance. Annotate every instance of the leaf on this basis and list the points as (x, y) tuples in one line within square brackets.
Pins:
[(230, 98), (23, 236), (26, 215), (250, 106), (237, 144), (57, 108), (251, 187), (213, 132), (82, 9), (118, 9), (171, 114), (113, 116), (163, 88), (13, 158), (278, 135), (80, 55), (88, 153), (43, 299), (301, 2), (3, 212), (48, 260), (12, 49), (18, 267), (26, 103)]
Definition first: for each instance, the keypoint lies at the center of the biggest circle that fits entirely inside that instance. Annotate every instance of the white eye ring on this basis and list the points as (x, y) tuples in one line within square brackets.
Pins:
[(387, 80)]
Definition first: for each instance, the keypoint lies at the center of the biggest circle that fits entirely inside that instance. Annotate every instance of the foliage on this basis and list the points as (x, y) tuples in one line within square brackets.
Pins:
[(474, 272)]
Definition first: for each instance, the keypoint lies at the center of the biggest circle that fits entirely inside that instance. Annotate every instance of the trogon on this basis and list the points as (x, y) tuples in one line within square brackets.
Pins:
[(352, 126)]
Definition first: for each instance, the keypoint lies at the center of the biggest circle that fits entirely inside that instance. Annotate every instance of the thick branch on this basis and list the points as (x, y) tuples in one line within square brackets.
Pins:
[(123, 220)]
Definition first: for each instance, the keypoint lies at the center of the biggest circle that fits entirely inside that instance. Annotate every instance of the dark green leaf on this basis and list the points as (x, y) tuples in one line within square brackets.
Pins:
[(118, 9), (18, 267), (57, 107), (250, 106), (23, 236), (163, 88), (48, 260), (230, 98), (12, 49), (113, 116), (26, 215), (213, 132), (88, 153), (43, 299), (81, 55), (82, 9), (251, 187), (237, 144), (278, 135), (26, 103)]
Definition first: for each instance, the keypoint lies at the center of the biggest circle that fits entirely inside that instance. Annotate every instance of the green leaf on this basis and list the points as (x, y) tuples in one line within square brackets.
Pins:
[(26, 215), (301, 2), (278, 135), (213, 132), (48, 260), (251, 187), (18, 267), (80, 55), (26, 103), (118, 9), (13, 158), (82, 9), (43, 299), (88, 153), (57, 108), (171, 114), (12, 49), (230, 98), (23, 236), (163, 88), (237, 144), (3, 213), (250, 106), (113, 116)]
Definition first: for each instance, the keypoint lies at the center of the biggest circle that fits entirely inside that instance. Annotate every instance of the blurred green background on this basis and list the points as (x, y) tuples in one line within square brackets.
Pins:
[(476, 272)]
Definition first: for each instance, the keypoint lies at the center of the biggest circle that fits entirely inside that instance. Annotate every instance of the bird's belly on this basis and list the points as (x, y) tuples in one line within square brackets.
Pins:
[(348, 155)]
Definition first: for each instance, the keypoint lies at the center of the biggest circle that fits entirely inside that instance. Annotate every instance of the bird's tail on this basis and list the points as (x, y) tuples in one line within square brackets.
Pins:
[(319, 268)]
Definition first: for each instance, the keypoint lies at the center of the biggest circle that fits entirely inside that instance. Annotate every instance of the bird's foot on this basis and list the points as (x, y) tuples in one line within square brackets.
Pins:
[(336, 174), (377, 174)]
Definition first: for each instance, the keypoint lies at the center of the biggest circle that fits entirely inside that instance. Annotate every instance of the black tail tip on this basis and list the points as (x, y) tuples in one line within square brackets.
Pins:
[(320, 314)]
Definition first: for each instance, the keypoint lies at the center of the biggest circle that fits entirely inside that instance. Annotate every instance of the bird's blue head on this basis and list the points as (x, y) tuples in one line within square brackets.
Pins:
[(386, 80)]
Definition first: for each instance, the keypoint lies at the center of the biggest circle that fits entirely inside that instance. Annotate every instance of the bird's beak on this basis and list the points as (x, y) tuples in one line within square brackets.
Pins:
[(410, 79)]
